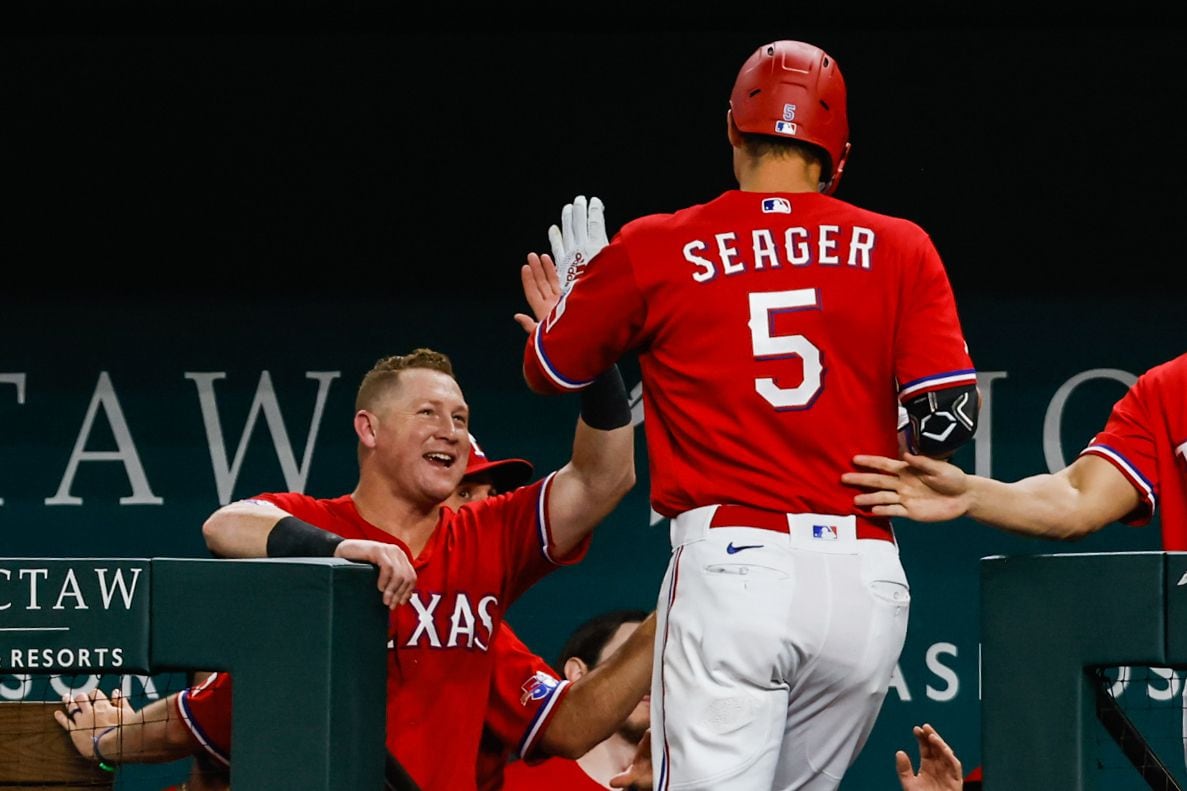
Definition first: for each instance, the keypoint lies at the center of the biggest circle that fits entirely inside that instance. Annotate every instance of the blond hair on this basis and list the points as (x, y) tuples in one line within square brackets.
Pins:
[(385, 374)]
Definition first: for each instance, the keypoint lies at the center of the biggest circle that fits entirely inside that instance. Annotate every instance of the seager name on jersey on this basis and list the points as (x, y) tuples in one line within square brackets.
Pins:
[(767, 248)]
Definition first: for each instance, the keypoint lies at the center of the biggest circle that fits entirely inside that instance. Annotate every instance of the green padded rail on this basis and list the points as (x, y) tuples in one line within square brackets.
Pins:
[(1045, 618), (306, 641)]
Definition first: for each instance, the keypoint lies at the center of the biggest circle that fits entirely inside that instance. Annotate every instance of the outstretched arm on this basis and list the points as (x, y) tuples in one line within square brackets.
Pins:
[(602, 468), (599, 701), (1079, 499), (109, 730)]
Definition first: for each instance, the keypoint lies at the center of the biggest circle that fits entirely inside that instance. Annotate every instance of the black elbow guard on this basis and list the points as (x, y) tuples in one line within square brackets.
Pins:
[(942, 420)]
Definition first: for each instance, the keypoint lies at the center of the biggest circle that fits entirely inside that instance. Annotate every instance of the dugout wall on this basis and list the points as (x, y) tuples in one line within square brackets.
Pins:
[(305, 639), (1047, 621)]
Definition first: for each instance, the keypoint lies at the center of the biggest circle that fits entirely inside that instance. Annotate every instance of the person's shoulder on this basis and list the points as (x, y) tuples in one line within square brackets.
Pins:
[(284, 499), (666, 221), (880, 219), (1162, 380), (1174, 368)]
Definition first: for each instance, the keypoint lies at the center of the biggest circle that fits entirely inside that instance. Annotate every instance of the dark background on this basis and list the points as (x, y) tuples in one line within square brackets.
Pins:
[(248, 187), (264, 149)]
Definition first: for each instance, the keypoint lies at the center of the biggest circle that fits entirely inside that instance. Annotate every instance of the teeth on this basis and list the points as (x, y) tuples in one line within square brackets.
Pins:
[(441, 457)]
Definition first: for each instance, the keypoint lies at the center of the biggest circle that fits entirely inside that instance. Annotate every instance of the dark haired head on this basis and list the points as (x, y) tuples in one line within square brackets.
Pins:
[(588, 640)]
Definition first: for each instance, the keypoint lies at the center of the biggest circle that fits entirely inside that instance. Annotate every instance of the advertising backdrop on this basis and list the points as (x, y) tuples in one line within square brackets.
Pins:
[(214, 227)]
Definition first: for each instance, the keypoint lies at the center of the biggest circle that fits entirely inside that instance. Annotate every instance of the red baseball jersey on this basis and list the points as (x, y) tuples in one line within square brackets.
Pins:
[(776, 334), (524, 693), (206, 711), (549, 775), (477, 562), (1146, 440)]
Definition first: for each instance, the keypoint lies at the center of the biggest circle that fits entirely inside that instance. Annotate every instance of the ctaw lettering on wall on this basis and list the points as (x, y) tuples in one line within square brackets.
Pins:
[(105, 409), (105, 406)]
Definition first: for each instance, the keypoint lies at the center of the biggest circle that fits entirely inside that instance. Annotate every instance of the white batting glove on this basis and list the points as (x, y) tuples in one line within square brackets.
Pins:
[(581, 234)]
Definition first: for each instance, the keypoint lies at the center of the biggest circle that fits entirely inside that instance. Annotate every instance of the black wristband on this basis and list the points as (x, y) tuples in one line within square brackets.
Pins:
[(293, 538), (604, 404)]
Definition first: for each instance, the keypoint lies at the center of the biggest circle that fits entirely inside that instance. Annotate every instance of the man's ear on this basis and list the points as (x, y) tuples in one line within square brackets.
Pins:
[(575, 668), (731, 130), (365, 428)]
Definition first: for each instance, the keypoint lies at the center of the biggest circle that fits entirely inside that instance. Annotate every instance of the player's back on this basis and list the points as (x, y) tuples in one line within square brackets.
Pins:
[(776, 332)]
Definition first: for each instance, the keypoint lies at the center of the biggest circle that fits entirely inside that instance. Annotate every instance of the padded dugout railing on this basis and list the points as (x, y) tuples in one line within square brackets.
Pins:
[(1046, 621), (305, 640)]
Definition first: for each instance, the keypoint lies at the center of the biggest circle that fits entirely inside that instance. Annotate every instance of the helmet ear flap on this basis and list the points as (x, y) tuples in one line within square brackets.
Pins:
[(829, 187)]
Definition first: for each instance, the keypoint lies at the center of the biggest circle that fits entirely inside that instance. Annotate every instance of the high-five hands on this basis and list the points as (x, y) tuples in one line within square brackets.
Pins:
[(548, 278)]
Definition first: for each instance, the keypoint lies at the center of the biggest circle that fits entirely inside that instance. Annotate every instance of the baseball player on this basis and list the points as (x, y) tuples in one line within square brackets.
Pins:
[(1137, 462), (470, 565), (777, 329)]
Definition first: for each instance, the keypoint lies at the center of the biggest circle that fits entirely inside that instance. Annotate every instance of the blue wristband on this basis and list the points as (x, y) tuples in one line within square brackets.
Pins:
[(104, 764)]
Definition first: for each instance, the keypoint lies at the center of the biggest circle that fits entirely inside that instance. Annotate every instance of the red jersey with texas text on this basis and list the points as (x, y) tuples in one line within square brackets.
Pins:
[(477, 562), (776, 334), (1146, 439), (524, 694)]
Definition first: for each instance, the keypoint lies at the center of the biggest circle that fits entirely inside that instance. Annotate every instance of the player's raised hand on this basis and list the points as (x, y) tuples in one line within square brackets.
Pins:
[(917, 487), (579, 237), (541, 289), (397, 578), (939, 768)]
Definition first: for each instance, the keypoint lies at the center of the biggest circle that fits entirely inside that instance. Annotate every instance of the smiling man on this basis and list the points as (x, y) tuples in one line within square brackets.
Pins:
[(459, 570)]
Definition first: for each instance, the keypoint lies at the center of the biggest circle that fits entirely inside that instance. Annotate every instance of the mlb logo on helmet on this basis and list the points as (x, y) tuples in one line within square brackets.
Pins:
[(824, 532), (776, 206), (538, 687)]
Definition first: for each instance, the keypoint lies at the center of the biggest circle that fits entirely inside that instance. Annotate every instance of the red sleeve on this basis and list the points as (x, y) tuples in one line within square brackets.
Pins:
[(590, 328), (931, 350), (524, 694), (518, 521), (206, 712), (1127, 444)]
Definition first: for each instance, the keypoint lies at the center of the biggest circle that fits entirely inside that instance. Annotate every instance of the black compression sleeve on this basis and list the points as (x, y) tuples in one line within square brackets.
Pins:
[(293, 538), (604, 403)]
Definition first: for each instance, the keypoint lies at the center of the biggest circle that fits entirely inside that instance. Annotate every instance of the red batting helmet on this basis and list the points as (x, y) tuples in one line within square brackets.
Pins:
[(505, 474), (795, 90)]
